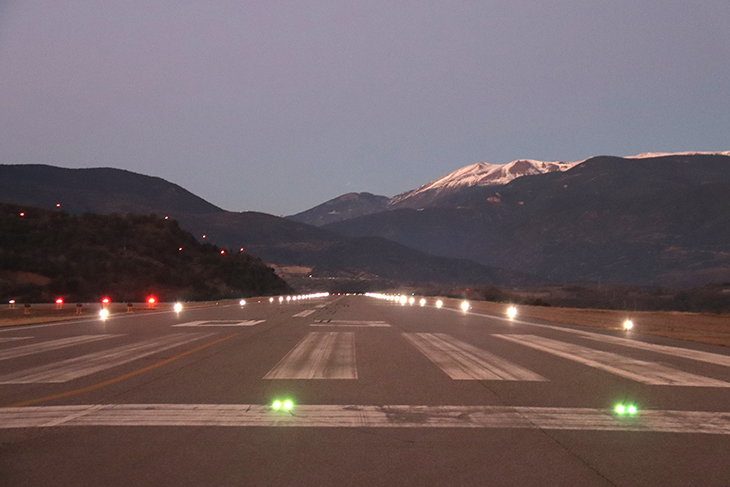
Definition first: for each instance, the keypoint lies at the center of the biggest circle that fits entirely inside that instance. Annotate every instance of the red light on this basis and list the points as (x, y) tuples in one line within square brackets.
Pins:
[(179, 249), (203, 236), (58, 205), (167, 217), (105, 300), (223, 252), (59, 301), (241, 249), (22, 214), (151, 300)]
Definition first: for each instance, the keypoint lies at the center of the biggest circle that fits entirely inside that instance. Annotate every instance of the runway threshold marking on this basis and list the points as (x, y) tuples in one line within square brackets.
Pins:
[(365, 416), (462, 361), (711, 358), (639, 370), (34, 348), (319, 355), (223, 323), (73, 368), (304, 314), (99, 385)]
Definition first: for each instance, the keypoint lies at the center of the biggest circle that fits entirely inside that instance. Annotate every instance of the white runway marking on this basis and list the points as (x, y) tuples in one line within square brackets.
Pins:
[(462, 361), (352, 416), (351, 323), (321, 305), (320, 355), (638, 370), (221, 323), (24, 350), (711, 358), (84, 365), (12, 339), (304, 314)]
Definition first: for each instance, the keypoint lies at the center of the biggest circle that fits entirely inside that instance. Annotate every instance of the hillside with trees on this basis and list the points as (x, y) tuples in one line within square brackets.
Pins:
[(46, 254)]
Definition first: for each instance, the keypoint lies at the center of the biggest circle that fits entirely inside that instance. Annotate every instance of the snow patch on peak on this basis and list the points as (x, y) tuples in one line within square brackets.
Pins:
[(484, 174)]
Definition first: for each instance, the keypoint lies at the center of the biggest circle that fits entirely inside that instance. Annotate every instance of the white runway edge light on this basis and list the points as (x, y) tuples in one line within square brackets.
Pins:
[(465, 306), (177, 307), (422, 302), (511, 312), (242, 302), (104, 314), (439, 303), (628, 324)]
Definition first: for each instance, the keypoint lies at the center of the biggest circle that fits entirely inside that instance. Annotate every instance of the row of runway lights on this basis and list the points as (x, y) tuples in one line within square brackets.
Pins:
[(177, 307), (403, 300), (465, 306), (299, 297)]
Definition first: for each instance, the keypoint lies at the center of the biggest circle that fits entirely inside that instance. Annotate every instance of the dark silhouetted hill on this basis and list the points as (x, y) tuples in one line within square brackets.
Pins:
[(45, 254)]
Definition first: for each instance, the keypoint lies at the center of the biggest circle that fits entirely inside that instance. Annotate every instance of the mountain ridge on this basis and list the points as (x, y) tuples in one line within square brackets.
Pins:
[(429, 194), (273, 239)]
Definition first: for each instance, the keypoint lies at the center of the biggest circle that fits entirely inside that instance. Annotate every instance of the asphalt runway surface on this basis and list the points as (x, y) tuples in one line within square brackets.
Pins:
[(380, 394)]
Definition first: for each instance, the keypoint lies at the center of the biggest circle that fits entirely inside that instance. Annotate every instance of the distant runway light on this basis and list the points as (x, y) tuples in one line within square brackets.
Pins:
[(423, 302), (628, 324), (271, 300), (439, 303), (411, 301), (104, 314), (177, 307), (403, 300), (465, 306), (242, 302), (511, 312)]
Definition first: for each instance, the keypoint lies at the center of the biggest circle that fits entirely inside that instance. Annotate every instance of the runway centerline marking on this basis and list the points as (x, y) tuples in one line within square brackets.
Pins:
[(223, 323), (462, 361), (34, 348), (319, 355), (351, 323), (73, 368), (364, 416), (639, 370), (304, 314)]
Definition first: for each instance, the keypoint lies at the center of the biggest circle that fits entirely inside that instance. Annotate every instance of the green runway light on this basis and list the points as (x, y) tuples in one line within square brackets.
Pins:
[(276, 406), (622, 409), (288, 405)]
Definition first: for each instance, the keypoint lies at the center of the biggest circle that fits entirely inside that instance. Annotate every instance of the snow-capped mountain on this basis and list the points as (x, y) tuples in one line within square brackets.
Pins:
[(353, 205), (479, 174)]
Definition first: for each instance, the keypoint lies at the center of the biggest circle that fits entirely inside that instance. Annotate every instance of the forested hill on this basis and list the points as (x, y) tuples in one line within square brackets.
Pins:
[(46, 254)]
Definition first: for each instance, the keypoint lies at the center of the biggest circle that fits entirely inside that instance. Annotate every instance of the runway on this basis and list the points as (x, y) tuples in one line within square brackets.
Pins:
[(382, 394)]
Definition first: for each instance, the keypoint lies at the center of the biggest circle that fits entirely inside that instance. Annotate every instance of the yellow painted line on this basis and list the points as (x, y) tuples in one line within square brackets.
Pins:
[(120, 378)]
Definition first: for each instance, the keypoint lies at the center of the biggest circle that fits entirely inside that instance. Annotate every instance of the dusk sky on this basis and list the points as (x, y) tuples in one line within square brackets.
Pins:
[(277, 106)]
